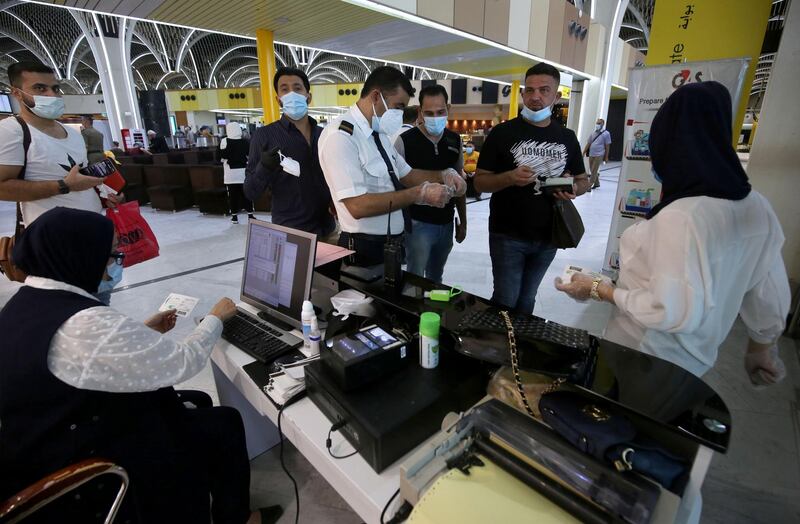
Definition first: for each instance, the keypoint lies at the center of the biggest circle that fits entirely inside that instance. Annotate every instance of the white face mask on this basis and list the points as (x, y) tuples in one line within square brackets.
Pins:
[(536, 116), (289, 164), (390, 122), (295, 105), (49, 107), (598, 127)]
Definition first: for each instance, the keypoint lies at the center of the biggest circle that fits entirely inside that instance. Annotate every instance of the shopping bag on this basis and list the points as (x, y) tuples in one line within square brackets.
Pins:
[(136, 239)]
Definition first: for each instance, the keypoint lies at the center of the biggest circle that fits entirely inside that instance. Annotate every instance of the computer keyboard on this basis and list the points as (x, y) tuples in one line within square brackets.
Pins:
[(255, 338)]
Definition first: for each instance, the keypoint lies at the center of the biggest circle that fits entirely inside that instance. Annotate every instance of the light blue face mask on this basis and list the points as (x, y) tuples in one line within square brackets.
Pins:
[(655, 175), (295, 105), (469, 150), (536, 116), (115, 274), (435, 124)]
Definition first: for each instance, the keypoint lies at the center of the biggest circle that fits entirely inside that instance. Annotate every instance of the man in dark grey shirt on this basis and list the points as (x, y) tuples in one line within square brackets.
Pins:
[(300, 198)]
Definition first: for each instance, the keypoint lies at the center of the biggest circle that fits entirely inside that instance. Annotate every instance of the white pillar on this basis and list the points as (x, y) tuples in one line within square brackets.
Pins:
[(590, 109), (106, 37), (775, 156), (612, 49)]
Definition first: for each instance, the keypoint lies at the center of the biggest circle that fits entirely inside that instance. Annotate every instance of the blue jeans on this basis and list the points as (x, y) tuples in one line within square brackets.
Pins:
[(518, 267), (427, 248)]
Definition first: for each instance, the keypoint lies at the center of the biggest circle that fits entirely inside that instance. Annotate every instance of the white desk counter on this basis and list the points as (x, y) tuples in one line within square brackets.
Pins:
[(307, 429)]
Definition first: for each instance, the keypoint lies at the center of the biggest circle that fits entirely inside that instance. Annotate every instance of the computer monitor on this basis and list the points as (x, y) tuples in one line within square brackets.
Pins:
[(278, 267), (5, 103)]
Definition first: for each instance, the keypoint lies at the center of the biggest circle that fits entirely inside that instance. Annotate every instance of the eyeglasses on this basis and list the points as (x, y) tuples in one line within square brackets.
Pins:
[(118, 257)]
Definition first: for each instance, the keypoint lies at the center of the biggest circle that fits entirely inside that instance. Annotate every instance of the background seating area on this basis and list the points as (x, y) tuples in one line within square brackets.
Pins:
[(179, 180)]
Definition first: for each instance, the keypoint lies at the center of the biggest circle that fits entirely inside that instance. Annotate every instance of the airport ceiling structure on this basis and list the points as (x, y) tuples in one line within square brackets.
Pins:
[(163, 56), (206, 43)]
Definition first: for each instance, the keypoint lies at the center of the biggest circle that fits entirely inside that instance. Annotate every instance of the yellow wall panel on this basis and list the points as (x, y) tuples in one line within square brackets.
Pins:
[(189, 104), (710, 30), (346, 100), (324, 95)]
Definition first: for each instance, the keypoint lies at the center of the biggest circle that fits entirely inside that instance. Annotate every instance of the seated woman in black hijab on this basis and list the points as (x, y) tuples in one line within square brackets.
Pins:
[(80, 380), (709, 251)]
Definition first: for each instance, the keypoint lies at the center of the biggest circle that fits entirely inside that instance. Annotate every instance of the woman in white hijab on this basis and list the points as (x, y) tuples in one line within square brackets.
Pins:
[(233, 151)]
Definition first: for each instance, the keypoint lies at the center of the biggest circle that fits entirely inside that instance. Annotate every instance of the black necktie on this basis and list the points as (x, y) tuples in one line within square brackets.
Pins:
[(395, 182)]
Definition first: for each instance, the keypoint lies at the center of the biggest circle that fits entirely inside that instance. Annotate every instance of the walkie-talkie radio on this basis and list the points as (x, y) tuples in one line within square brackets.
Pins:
[(392, 257)]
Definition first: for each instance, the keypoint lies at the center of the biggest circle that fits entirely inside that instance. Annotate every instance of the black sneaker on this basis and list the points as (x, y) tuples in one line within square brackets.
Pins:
[(251, 215), (234, 219)]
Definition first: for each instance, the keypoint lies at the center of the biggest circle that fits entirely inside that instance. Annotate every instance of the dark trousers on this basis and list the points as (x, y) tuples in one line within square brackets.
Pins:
[(368, 248), (471, 191), (237, 201), (189, 465), (205, 475), (518, 267)]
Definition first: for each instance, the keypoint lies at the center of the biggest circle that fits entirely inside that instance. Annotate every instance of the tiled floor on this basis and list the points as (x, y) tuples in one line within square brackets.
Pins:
[(757, 481)]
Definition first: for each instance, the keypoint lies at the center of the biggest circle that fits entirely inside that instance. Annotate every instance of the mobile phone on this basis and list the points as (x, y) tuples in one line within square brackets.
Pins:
[(100, 169)]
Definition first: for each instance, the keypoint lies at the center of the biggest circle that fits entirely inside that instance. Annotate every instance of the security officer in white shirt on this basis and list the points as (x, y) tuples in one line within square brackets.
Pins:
[(367, 177)]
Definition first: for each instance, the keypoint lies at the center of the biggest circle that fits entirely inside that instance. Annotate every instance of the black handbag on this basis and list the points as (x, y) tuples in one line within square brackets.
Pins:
[(567, 225), (499, 337), (594, 429)]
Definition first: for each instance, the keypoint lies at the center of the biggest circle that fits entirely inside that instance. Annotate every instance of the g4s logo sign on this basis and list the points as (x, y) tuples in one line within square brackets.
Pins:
[(685, 77)]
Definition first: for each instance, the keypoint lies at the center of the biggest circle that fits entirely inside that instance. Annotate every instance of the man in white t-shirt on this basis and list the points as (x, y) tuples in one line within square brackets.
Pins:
[(55, 154)]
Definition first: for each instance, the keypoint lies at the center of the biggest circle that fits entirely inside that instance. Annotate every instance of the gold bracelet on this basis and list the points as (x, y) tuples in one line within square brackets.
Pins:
[(593, 293)]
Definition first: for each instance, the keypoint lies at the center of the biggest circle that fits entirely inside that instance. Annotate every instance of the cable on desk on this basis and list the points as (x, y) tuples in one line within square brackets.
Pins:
[(328, 443), (283, 464), (386, 507), (400, 515)]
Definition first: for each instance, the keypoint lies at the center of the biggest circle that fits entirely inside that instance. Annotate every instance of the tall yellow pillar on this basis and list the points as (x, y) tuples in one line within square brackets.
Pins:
[(513, 102), (710, 30), (266, 72)]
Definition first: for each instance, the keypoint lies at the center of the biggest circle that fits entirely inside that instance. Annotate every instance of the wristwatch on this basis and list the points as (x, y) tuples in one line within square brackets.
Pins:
[(593, 293), (63, 188)]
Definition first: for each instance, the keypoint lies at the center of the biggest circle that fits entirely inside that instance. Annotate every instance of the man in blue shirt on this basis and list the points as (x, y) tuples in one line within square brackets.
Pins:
[(300, 197), (597, 149)]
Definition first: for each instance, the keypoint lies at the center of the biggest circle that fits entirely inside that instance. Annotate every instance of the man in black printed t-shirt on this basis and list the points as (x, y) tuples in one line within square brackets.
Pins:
[(516, 158)]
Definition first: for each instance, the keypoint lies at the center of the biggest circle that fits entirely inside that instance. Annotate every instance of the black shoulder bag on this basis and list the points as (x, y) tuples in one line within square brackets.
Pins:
[(567, 225)]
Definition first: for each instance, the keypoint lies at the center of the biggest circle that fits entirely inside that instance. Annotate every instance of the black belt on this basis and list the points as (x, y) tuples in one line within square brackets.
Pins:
[(373, 238)]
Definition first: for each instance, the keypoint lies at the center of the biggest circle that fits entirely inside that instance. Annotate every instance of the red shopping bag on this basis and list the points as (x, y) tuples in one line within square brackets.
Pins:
[(136, 239)]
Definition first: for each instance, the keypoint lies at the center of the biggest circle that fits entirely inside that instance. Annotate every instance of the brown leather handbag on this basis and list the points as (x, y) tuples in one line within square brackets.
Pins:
[(7, 267)]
